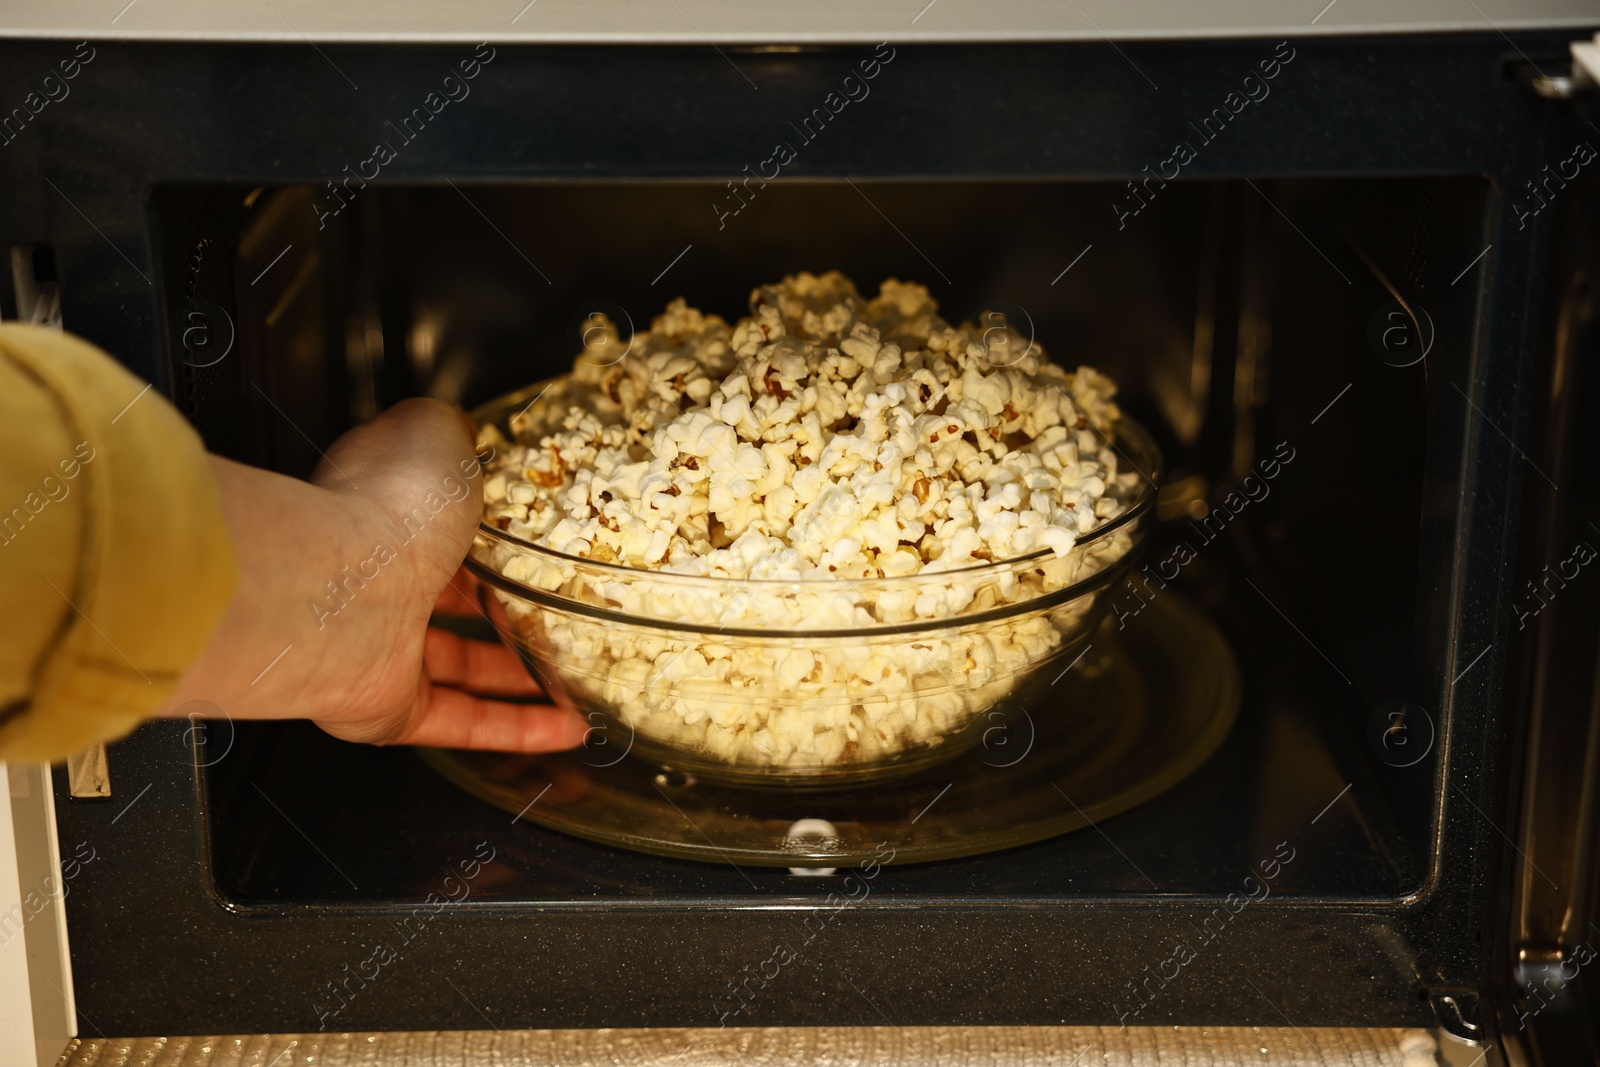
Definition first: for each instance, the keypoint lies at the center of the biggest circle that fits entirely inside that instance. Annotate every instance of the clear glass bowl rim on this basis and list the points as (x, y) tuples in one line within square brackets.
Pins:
[(909, 629), (1136, 435)]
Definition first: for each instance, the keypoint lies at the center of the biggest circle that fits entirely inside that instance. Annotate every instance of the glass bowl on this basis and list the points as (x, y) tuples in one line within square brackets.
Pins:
[(814, 683)]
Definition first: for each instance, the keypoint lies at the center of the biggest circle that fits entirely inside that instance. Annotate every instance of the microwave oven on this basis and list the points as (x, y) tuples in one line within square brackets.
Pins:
[(1365, 255)]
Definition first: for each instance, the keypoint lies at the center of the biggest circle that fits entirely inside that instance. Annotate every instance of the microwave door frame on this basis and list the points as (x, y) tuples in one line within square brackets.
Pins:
[(159, 856), (1544, 996)]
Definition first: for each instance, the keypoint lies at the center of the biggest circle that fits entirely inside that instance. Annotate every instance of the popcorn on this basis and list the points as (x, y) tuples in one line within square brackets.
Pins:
[(827, 440)]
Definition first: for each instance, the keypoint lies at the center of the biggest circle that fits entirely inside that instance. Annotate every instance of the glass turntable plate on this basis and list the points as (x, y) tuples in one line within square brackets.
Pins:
[(1140, 710)]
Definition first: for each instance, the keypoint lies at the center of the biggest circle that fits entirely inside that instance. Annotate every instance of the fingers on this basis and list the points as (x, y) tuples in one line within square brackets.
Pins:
[(478, 666), (449, 718)]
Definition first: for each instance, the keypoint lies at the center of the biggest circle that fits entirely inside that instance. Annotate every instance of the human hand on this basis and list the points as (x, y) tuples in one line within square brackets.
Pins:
[(337, 578)]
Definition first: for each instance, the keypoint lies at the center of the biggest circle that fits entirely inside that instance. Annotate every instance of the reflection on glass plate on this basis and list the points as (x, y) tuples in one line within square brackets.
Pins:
[(1139, 711)]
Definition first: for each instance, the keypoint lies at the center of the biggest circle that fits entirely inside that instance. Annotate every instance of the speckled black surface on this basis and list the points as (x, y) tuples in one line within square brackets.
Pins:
[(245, 912), (206, 910)]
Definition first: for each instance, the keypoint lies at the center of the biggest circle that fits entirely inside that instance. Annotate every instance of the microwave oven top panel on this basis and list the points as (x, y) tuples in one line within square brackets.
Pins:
[(699, 22)]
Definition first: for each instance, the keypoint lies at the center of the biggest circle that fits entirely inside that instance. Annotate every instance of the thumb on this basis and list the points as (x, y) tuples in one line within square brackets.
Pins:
[(416, 465), (415, 432)]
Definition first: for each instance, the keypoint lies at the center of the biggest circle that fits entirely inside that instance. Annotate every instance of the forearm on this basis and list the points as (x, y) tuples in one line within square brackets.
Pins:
[(271, 651), (336, 585)]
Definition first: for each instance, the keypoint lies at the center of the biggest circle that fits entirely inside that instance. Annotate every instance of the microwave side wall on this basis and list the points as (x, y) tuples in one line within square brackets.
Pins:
[(241, 116)]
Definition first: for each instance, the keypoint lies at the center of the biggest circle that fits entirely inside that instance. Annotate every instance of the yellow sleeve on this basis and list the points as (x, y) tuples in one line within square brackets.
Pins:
[(115, 565)]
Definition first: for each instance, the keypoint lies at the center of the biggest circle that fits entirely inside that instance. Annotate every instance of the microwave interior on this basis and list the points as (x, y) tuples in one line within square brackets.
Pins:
[(1242, 320)]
